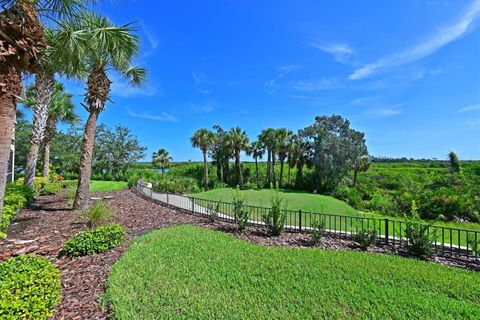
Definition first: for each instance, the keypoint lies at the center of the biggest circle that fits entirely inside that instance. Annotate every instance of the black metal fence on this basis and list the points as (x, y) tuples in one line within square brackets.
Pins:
[(449, 241)]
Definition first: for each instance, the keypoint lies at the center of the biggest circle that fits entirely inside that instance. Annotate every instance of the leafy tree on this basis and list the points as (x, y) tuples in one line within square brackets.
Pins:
[(238, 140), (335, 148), (203, 139), (161, 160), (283, 137), (115, 150), (22, 41), (360, 164), (454, 162), (23, 129), (256, 150), (99, 46), (64, 151)]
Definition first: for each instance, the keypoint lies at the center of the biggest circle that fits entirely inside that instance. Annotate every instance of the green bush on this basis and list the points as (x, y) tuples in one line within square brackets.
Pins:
[(29, 288), (419, 240), (38, 183), (277, 216), (17, 196), (97, 240), (98, 214), (365, 238), (318, 230), (51, 188), (241, 214)]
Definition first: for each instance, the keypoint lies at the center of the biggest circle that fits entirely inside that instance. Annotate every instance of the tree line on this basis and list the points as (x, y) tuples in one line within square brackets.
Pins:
[(77, 44), (329, 146)]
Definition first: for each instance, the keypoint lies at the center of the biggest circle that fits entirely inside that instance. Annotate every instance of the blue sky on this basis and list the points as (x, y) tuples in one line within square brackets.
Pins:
[(407, 73)]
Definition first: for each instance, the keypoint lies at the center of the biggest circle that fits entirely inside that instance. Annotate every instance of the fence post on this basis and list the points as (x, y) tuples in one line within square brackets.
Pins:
[(300, 219), (193, 205), (386, 230), (167, 198)]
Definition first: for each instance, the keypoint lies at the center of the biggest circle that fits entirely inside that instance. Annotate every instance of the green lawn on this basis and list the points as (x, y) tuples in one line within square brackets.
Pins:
[(187, 272), (308, 202), (101, 186)]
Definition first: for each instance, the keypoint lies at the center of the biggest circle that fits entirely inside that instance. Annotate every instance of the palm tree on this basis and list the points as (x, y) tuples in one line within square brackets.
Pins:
[(283, 137), (256, 150), (266, 137), (21, 42), (161, 159), (292, 155), (96, 44), (360, 164), (238, 140), (203, 139), (61, 110)]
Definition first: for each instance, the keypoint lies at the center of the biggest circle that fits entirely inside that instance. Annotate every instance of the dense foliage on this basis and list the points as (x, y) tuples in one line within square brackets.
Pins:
[(97, 240), (29, 288), (193, 273), (17, 196)]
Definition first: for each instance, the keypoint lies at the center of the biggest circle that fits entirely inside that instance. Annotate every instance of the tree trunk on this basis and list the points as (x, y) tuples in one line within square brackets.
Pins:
[(219, 170), (226, 172), (274, 174), (281, 172), (256, 168), (239, 167), (299, 173), (355, 172), (10, 87), (44, 83), (46, 158), (269, 175), (205, 165), (86, 155), (289, 174)]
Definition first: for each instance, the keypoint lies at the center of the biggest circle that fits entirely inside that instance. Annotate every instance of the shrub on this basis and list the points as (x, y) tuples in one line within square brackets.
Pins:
[(16, 196), (97, 240), (419, 240), (365, 237), (38, 183), (213, 211), (16, 188), (51, 188), (276, 217), (29, 288), (474, 244), (318, 230), (241, 214), (98, 214)]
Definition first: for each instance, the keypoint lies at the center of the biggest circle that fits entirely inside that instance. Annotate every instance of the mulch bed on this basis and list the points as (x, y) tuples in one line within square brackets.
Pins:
[(43, 228)]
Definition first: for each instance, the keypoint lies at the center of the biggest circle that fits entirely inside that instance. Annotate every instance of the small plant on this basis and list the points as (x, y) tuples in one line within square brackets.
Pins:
[(71, 193), (213, 212), (241, 214), (318, 230), (419, 239), (98, 214), (51, 188), (474, 244), (365, 237), (30, 288), (97, 240), (276, 217)]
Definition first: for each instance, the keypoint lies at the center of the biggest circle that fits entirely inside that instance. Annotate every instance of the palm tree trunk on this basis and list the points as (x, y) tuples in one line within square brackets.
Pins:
[(205, 165), (289, 174), (44, 88), (355, 172), (299, 173), (269, 175), (274, 175), (239, 166), (281, 172), (46, 158), (10, 87), (86, 154), (226, 172), (256, 168), (219, 170)]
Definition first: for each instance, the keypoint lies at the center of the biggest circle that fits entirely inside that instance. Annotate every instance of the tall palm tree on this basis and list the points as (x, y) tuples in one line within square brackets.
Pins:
[(256, 150), (238, 139), (203, 139), (293, 155), (283, 137), (94, 43), (61, 110), (21, 42), (161, 159), (266, 137)]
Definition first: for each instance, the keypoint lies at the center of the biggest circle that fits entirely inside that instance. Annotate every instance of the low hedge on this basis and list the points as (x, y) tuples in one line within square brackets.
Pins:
[(29, 288), (97, 240), (17, 196)]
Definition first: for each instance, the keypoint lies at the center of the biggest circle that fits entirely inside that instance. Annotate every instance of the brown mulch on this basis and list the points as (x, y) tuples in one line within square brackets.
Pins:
[(50, 222)]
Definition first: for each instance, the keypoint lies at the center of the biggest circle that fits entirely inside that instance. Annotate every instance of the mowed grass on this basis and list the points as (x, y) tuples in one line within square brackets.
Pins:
[(293, 199), (188, 272), (101, 186), (308, 202)]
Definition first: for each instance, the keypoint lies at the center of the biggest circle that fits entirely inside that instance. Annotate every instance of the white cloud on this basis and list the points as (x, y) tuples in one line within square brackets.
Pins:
[(472, 107), (340, 51), (436, 42), (121, 88), (365, 100), (385, 111), (163, 116), (317, 85), (200, 80), (283, 71), (152, 39)]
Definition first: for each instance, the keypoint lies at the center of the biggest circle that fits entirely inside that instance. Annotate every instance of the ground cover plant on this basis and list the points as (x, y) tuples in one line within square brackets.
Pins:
[(188, 272), (29, 288), (17, 196), (97, 240)]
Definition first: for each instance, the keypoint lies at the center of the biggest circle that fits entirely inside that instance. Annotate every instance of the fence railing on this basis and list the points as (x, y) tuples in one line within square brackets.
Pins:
[(449, 241)]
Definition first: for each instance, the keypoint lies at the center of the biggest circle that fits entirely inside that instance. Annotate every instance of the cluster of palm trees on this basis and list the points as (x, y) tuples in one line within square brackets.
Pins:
[(161, 159), (278, 144), (77, 45)]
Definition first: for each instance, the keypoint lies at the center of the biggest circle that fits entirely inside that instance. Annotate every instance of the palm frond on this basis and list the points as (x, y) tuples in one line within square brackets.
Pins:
[(135, 75)]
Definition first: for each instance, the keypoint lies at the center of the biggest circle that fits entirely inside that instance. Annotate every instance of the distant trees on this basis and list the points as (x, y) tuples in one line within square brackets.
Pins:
[(256, 150), (161, 159), (238, 140), (454, 162), (204, 140)]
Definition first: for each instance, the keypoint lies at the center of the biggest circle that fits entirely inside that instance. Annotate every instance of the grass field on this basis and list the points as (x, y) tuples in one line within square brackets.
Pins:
[(308, 202), (188, 272), (102, 186)]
